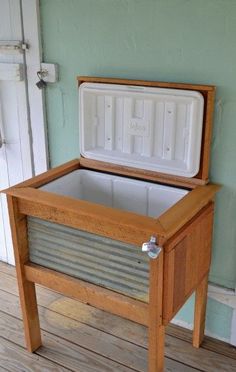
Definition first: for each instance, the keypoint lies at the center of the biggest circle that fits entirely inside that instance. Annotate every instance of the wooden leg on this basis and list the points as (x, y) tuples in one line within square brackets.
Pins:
[(200, 312), (156, 328), (26, 289), (30, 315), (156, 349)]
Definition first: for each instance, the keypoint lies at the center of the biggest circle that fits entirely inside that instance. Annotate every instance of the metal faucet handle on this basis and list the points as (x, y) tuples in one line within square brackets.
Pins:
[(152, 249)]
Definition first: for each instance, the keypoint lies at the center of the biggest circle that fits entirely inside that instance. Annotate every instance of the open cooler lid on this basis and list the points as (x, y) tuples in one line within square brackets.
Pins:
[(155, 129)]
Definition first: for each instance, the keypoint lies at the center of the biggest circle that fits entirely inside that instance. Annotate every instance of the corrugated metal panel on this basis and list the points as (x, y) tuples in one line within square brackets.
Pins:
[(102, 261)]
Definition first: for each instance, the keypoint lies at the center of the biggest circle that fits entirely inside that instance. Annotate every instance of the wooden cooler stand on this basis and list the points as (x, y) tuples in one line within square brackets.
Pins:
[(184, 232)]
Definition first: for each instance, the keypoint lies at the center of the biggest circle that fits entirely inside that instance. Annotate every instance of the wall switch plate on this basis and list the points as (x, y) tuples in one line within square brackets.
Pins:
[(49, 72)]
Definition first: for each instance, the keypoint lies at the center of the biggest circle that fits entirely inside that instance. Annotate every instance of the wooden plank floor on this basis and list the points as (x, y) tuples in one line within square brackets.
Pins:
[(77, 337)]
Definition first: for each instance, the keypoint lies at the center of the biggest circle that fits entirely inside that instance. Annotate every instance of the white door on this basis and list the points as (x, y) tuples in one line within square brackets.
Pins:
[(22, 137)]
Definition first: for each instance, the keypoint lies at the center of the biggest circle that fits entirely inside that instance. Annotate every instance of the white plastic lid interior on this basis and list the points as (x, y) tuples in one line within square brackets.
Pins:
[(155, 129)]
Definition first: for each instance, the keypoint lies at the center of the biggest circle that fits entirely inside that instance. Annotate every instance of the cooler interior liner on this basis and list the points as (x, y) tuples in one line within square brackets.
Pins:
[(131, 195)]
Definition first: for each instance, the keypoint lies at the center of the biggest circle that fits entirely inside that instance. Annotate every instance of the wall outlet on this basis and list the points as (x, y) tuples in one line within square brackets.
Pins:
[(49, 72)]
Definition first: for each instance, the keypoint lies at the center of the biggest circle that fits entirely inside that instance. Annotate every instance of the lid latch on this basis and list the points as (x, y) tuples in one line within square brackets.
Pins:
[(153, 250)]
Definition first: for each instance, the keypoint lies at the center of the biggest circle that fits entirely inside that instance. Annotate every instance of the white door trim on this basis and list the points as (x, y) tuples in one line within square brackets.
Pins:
[(33, 58), (5, 225), (32, 130)]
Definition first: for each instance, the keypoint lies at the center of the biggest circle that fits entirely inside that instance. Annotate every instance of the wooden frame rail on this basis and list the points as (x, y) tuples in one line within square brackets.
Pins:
[(88, 293), (106, 221)]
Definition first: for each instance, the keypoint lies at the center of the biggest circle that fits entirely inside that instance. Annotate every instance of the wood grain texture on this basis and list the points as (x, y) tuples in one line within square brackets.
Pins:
[(124, 226), (156, 330), (26, 288), (160, 84), (200, 312), (141, 174), (110, 324), (67, 343), (179, 281), (186, 208), (219, 347), (187, 263), (184, 231), (78, 333), (176, 349), (87, 338), (200, 358), (47, 176), (209, 98), (187, 228), (15, 359), (98, 219), (208, 93), (91, 294), (57, 352)]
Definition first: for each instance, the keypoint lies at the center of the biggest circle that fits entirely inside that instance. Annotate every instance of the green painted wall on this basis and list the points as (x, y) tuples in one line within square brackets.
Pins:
[(218, 318), (171, 40)]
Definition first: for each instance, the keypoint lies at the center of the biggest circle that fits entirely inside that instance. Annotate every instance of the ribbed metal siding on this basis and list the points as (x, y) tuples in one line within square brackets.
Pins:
[(102, 261)]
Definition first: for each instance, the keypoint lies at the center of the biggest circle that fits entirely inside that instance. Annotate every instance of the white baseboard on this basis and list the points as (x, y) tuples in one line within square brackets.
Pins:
[(223, 295), (228, 298), (233, 329), (186, 325)]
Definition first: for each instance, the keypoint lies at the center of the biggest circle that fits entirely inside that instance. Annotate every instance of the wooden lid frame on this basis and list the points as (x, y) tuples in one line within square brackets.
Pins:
[(208, 93)]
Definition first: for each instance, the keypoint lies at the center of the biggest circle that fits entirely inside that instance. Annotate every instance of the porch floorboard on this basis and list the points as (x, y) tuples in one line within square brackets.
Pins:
[(78, 337)]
